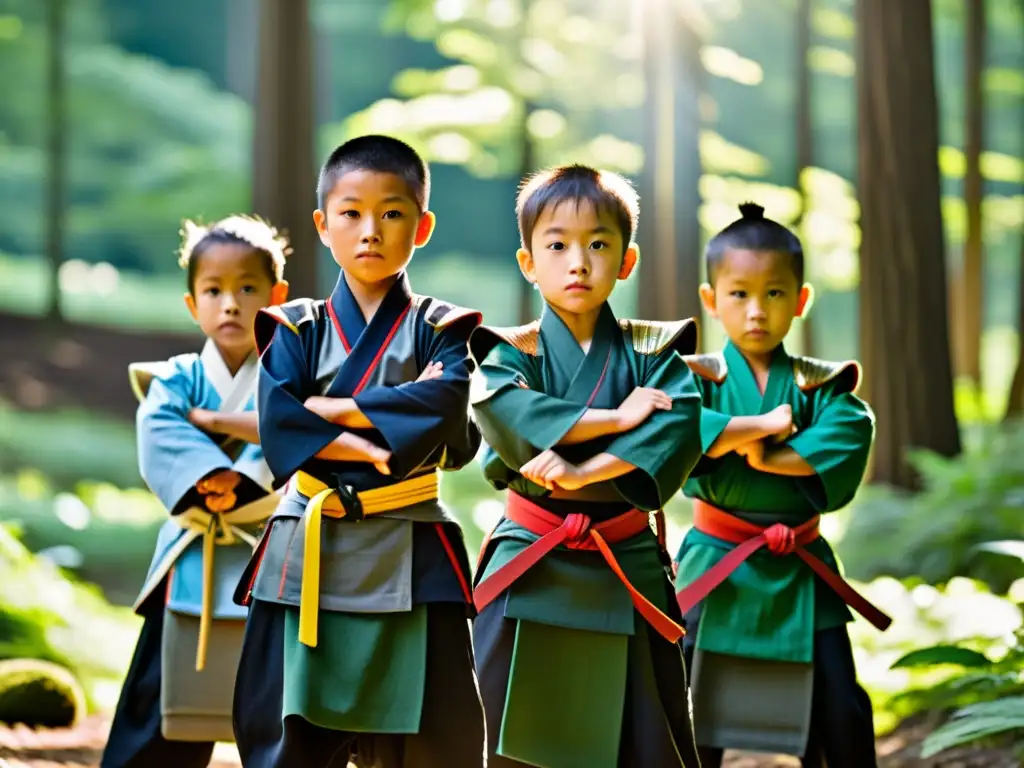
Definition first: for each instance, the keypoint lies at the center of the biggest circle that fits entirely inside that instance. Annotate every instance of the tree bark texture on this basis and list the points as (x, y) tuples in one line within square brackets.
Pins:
[(284, 163), (903, 308), (970, 315), (804, 144), (670, 234)]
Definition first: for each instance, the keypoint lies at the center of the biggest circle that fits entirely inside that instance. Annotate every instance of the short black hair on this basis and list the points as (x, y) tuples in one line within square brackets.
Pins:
[(381, 154), (753, 232), (248, 232), (608, 192)]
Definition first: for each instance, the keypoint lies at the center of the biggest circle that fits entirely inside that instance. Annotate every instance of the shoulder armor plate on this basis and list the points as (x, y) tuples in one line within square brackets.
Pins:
[(141, 375), (652, 337), (439, 314), (290, 315), (522, 337), (711, 366), (809, 373)]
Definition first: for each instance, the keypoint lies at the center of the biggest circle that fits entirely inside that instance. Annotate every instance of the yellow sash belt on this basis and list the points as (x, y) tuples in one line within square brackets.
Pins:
[(219, 530), (339, 504)]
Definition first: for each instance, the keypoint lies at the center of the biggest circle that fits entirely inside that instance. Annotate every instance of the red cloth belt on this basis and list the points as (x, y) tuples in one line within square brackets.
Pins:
[(780, 540), (574, 532)]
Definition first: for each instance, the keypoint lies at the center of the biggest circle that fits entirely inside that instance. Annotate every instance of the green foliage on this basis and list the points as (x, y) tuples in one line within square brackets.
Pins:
[(967, 502), (518, 65), (146, 144), (39, 694), (980, 721), (987, 694), (78, 626)]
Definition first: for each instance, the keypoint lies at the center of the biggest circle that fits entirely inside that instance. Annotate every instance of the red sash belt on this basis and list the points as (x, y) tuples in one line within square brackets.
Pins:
[(780, 540), (575, 532)]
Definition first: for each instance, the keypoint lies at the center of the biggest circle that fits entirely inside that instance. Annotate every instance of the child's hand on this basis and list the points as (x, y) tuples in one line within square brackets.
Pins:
[(219, 483), (362, 449), (779, 422), (433, 371), (549, 470), (640, 404), (204, 419), (327, 408), (221, 502)]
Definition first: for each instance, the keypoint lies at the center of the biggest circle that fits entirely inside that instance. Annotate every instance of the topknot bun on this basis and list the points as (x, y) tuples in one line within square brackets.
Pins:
[(752, 211)]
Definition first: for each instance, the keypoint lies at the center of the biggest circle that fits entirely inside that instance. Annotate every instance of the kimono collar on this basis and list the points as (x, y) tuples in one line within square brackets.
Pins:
[(347, 315), (780, 370), (234, 391)]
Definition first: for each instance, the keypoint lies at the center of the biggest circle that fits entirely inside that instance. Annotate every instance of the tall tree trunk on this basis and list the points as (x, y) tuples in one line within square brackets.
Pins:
[(670, 238), (527, 293), (804, 144), (903, 310), (1015, 400), (56, 171), (284, 165), (970, 317), (688, 84), (527, 160)]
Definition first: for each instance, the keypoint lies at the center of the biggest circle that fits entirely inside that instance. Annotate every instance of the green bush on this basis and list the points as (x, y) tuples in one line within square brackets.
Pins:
[(74, 624), (39, 694), (935, 535)]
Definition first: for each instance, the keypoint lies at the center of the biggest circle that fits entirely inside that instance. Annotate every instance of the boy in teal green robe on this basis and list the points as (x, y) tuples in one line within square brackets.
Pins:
[(785, 440), (591, 424)]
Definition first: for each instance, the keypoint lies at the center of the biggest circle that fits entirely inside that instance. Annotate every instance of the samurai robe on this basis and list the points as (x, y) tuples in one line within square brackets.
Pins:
[(176, 699), (764, 604), (358, 642), (577, 644)]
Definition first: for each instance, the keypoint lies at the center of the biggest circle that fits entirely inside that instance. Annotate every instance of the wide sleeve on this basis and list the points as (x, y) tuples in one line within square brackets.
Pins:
[(836, 445), (290, 433), (666, 447), (174, 454), (518, 420), (418, 417)]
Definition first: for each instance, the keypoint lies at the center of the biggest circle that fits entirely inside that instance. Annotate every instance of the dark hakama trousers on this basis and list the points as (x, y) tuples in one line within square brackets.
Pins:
[(451, 729), (135, 740), (656, 728), (842, 730)]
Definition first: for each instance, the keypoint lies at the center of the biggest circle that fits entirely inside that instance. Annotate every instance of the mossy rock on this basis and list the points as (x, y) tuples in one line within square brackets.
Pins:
[(39, 694)]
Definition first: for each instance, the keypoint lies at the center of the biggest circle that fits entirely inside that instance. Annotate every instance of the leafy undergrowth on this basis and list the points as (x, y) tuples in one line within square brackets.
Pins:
[(70, 623)]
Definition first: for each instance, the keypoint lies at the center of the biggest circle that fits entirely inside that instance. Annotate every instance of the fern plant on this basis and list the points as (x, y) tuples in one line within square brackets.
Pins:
[(985, 698)]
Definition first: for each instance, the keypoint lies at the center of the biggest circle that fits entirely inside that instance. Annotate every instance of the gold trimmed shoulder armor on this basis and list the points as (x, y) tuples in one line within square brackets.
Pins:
[(141, 375), (439, 314), (810, 374), (522, 337), (291, 315), (711, 366), (652, 337)]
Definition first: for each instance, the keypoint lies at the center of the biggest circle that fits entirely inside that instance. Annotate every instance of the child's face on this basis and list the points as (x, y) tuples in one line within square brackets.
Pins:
[(756, 296), (231, 285), (372, 224), (575, 256)]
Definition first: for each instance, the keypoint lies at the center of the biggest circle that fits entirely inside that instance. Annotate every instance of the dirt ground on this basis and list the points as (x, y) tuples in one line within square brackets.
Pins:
[(81, 748)]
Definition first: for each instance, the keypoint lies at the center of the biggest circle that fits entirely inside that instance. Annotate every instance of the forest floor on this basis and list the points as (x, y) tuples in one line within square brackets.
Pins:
[(81, 748)]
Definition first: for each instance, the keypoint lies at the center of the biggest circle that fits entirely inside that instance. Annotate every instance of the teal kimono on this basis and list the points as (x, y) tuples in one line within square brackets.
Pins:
[(768, 610), (563, 648)]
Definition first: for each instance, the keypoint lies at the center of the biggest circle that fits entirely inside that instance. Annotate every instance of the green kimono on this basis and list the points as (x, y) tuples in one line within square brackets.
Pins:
[(769, 608), (572, 614)]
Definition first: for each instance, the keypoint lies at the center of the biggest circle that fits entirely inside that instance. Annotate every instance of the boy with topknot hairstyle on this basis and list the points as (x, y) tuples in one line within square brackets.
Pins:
[(785, 440)]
